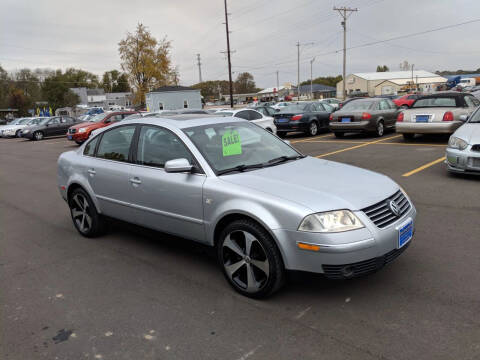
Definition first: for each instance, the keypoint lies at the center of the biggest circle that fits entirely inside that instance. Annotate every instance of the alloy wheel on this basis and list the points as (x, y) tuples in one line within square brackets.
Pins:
[(38, 135), (81, 213), (245, 261), (313, 128), (380, 129)]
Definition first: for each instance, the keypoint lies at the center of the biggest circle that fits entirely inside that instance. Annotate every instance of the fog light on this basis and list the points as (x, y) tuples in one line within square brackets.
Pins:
[(310, 247), (348, 271)]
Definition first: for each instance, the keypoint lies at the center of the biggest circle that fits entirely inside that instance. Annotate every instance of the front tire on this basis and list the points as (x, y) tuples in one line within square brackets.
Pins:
[(18, 133), (79, 142), (38, 135), (250, 259), (85, 217)]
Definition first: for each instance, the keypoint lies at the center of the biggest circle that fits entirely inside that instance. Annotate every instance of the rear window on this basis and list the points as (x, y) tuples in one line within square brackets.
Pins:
[(293, 108), (358, 105), (435, 102)]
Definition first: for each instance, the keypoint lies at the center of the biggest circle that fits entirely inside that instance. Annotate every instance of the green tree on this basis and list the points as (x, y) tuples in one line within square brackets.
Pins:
[(383, 68), (327, 81), (212, 89), (4, 88), (115, 81), (56, 90), (80, 78), (146, 61), (245, 83)]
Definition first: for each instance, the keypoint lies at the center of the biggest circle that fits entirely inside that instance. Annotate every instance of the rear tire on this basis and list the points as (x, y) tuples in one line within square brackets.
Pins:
[(250, 259), (86, 219), (312, 128), (380, 129), (408, 137), (339, 134)]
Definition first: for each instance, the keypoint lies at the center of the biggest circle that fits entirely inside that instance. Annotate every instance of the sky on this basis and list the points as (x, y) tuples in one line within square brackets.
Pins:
[(59, 34)]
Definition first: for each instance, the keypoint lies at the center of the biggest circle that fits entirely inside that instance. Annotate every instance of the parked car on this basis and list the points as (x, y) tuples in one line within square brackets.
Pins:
[(49, 126), (16, 130), (231, 185), (280, 105), (335, 103), (463, 150), (370, 115), (406, 101), (307, 117), (438, 113), (14, 122), (346, 101), (254, 116), (265, 110), (80, 132)]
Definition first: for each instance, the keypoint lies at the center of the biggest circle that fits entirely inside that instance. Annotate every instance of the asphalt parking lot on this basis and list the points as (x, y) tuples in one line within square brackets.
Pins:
[(138, 294)]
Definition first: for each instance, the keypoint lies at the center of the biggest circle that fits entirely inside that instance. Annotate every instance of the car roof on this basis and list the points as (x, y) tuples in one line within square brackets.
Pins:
[(444, 94), (185, 121)]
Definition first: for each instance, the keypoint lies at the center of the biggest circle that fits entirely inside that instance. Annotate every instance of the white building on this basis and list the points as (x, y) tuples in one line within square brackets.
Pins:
[(390, 82), (173, 98)]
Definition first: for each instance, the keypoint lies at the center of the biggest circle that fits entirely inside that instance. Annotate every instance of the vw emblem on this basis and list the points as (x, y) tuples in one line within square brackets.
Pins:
[(394, 207)]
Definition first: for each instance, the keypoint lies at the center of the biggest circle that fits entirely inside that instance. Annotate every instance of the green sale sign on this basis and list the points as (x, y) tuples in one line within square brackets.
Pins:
[(231, 144)]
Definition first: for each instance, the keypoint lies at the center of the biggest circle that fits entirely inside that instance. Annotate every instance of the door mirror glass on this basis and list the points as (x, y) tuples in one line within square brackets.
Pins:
[(178, 165)]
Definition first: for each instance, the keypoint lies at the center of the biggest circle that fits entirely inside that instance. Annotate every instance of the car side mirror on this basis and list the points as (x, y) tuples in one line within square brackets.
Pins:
[(463, 118), (178, 165)]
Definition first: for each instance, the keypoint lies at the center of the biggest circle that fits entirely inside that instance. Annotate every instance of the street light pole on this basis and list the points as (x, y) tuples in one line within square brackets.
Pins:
[(228, 53), (311, 78)]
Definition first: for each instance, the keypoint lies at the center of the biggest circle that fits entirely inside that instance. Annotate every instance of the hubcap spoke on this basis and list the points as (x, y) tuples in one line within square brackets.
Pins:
[(76, 213), (252, 284), (249, 240), (88, 219), (85, 204), (82, 224), (79, 203), (261, 265), (233, 268), (232, 245)]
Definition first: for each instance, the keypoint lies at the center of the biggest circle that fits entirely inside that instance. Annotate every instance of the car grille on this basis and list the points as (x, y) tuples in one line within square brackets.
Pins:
[(361, 268), (476, 147), (381, 213), (72, 131)]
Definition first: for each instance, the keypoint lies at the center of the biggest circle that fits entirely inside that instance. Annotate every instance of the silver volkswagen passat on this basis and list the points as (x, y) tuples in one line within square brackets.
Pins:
[(230, 184)]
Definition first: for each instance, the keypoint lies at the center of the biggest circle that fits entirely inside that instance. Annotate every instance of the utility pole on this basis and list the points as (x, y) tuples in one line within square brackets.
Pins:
[(412, 75), (298, 70), (228, 53), (199, 68), (311, 78), (278, 85), (344, 13)]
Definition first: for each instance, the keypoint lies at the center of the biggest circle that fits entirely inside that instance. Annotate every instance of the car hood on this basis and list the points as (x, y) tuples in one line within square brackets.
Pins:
[(318, 184), (469, 132), (89, 124)]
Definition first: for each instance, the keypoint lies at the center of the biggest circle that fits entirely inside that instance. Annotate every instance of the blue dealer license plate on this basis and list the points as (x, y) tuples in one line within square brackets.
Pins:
[(346, 120), (422, 118), (282, 120), (405, 233), (69, 137)]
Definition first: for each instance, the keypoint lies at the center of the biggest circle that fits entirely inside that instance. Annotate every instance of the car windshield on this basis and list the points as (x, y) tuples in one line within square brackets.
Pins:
[(33, 121), (435, 102), (17, 121), (294, 108), (98, 117), (23, 121), (357, 105), (238, 146)]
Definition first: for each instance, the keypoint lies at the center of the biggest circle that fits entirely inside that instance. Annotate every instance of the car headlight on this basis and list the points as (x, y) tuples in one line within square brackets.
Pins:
[(331, 221), (82, 130), (457, 143)]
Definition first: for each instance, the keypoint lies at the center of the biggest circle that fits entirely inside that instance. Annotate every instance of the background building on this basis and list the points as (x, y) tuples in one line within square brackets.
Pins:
[(319, 91), (390, 82), (173, 98)]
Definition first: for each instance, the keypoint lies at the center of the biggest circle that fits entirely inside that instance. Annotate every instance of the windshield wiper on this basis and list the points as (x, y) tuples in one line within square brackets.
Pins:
[(240, 168), (282, 159)]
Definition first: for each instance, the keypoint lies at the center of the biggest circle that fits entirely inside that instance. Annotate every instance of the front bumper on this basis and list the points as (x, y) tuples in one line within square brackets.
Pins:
[(369, 247), (78, 137), (28, 135), (463, 161), (447, 127), (354, 126)]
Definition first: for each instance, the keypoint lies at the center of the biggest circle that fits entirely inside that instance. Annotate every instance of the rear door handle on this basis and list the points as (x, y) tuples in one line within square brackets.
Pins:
[(135, 181), (91, 172)]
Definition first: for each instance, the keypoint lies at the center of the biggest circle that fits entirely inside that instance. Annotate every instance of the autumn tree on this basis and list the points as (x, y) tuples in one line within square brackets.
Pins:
[(115, 81), (245, 83), (146, 61)]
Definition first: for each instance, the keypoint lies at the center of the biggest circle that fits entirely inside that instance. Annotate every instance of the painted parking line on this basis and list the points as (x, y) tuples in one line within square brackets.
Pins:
[(309, 139), (380, 143), (357, 146), (423, 167)]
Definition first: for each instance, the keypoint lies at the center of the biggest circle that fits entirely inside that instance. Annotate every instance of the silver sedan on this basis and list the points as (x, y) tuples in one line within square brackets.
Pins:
[(463, 151), (228, 183)]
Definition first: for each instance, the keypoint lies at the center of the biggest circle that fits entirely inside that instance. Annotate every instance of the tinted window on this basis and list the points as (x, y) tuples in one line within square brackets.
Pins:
[(357, 105), (391, 104), (263, 111), (435, 102), (255, 115), (476, 102), (115, 143), (243, 115), (54, 121), (470, 100), (384, 105), (156, 146), (90, 147), (412, 97)]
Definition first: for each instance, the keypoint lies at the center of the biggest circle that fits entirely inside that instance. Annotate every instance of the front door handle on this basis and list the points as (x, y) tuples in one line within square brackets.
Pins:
[(135, 181), (91, 172)]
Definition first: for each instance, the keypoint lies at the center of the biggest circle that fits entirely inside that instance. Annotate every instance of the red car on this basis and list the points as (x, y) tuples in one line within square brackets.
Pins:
[(406, 101), (80, 132)]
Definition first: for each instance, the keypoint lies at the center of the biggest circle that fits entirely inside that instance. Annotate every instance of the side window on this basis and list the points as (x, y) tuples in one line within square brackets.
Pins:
[(263, 111), (384, 105), (116, 118), (470, 101), (156, 146), (90, 147), (254, 115), (185, 104), (54, 121), (476, 102), (160, 106), (320, 107), (243, 115), (392, 104), (115, 143)]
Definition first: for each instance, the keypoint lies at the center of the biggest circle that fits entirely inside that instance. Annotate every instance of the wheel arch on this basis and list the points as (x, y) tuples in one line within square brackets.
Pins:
[(75, 184)]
